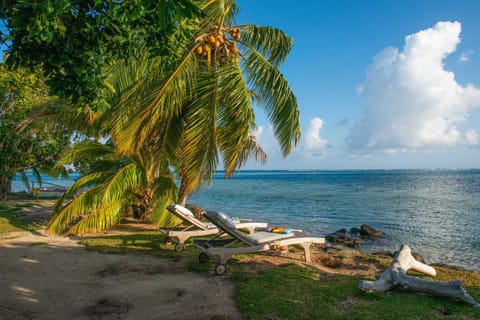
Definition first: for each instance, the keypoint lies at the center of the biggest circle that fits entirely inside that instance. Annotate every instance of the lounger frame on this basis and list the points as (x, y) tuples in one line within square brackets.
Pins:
[(197, 228), (221, 252)]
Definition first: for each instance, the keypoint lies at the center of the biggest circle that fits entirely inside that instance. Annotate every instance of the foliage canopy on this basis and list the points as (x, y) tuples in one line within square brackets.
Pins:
[(27, 148), (75, 41)]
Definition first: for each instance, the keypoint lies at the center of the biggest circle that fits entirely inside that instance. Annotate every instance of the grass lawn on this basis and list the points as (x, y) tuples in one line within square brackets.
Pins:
[(9, 219), (295, 292)]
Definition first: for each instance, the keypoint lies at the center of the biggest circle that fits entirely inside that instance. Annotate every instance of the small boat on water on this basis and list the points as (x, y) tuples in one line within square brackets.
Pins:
[(50, 191)]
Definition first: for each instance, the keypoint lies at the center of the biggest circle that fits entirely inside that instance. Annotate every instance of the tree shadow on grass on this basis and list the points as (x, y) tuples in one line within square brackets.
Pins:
[(10, 219)]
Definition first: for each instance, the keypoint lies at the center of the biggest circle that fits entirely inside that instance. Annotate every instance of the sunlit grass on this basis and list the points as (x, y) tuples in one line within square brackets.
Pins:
[(148, 243), (296, 292), (10, 221)]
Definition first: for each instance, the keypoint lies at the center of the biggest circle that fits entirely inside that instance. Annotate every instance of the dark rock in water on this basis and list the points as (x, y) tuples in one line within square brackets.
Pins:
[(369, 231), (337, 236), (340, 236), (355, 232)]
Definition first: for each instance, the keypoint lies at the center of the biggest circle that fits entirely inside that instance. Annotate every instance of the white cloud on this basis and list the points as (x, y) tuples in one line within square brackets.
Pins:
[(412, 102), (314, 144), (465, 56), (472, 138)]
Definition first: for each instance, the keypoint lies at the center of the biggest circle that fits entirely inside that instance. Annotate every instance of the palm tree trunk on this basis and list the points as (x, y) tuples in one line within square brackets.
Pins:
[(182, 197)]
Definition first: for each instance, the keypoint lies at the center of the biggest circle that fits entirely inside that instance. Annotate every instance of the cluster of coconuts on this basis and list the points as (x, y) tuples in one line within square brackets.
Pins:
[(216, 43)]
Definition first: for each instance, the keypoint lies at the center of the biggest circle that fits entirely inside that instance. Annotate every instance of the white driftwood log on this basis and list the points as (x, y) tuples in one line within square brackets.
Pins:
[(396, 274)]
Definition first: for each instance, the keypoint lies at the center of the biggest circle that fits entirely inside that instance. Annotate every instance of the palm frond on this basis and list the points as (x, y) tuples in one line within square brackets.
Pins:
[(230, 12), (166, 194), (125, 181), (235, 118), (162, 97), (252, 149), (270, 42), (199, 156), (75, 209), (277, 98), (82, 183), (101, 218), (86, 150)]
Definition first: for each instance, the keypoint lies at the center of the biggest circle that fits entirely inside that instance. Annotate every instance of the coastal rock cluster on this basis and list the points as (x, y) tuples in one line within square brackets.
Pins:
[(354, 237)]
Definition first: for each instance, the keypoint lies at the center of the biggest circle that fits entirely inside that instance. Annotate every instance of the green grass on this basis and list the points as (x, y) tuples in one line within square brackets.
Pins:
[(10, 222), (149, 243), (295, 292)]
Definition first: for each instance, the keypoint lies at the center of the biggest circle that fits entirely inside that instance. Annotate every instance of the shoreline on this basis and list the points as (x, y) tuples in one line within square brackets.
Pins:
[(44, 273), (41, 215)]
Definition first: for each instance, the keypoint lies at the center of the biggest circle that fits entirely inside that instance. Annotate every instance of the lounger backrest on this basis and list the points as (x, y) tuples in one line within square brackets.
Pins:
[(223, 222), (186, 215)]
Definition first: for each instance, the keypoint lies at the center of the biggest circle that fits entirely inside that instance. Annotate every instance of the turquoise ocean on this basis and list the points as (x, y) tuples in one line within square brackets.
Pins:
[(435, 212)]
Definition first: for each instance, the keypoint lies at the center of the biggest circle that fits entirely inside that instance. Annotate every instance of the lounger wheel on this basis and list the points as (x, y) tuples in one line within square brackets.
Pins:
[(179, 247), (203, 257), (220, 269)]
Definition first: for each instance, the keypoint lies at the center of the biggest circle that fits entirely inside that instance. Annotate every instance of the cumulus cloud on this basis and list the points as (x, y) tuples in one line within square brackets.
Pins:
[(411, 101), (313, 144), (472, 138)]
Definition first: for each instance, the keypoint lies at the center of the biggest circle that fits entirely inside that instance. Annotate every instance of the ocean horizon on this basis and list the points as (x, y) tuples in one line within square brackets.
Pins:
[(435, 211)]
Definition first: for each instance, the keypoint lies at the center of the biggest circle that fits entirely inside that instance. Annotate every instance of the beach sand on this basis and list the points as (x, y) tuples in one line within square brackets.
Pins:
[(51, 277)]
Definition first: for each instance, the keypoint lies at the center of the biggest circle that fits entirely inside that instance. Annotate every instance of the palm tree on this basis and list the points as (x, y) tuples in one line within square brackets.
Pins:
[(112, 183), (210, 93), (112, 187), (185, 115)]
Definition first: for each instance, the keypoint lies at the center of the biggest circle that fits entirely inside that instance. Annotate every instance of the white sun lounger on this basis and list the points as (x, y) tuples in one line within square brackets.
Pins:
[(256, 242), (197, 228)]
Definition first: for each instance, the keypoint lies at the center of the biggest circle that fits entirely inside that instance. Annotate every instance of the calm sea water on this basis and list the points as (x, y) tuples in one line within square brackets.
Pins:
[(435, 212)]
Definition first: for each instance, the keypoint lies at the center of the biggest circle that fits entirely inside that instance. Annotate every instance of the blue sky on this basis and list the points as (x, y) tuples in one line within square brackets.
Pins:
[(380, 84)]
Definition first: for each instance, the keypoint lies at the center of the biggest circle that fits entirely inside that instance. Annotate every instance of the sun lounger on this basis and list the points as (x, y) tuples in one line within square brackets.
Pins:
[(197, 228), (256, 242)]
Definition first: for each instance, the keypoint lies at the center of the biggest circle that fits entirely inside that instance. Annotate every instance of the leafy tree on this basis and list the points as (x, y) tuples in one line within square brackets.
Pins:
[(75, 41), (34, 149)]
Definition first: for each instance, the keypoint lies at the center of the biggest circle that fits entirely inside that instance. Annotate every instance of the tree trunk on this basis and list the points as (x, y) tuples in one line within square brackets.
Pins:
[(5, 187), (396, 275), (182, 197)]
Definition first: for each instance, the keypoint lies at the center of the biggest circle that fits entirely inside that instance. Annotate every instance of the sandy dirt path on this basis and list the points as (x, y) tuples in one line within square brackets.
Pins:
[(45, 277)]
